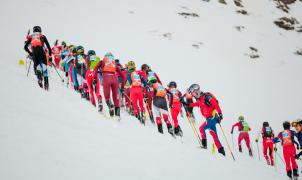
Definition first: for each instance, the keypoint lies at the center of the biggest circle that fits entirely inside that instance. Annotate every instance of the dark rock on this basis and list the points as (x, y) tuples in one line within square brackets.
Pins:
[(222, 2), (244, 12), (185, 14), (238, 3)]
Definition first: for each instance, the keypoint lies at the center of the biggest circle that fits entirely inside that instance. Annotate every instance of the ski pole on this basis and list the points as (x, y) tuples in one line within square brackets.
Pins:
[(228, 145), (258, 150), (193, 127), (57, 71), (28, 68), (233, 141), (170, 115), (280, 157), (148, 110), (275, 155)]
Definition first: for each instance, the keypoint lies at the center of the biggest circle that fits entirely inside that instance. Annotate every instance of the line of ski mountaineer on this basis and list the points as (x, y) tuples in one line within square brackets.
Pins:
[(141, 92)]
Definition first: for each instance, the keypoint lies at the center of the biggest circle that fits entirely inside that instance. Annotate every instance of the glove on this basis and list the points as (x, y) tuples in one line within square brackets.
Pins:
[(50, 59), (256, 140), (30, 54), (232, 132), (275, 149), (220, 116), (170, 105), (297, 156)]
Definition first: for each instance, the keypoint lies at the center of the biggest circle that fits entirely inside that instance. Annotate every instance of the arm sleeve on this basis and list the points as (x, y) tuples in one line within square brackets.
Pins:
[(26, 45), (122, 76), (277, 139), (235, 125), (170, 96), (129, 78), (143, 79), (47, 44), (158, 80), (216, 105), (194, 104), (97, 67)]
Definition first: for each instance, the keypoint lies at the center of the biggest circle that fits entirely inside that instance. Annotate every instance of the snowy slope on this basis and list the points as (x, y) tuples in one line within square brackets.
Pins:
[(72, 141)]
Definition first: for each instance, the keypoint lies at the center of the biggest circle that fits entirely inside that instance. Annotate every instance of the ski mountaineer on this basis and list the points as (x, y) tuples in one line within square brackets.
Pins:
[(37, 41), (72, 70), (67, 60), (210, 109), (244, 129), (298, 127), (56, 51), (289, 151), (137, 82), (81, 67), (124, 72), (65, 50), (160, 107), (110, 82), (267, 134), (175, 99), (93, 82), (151, 77), (188, 99), (128, 104)]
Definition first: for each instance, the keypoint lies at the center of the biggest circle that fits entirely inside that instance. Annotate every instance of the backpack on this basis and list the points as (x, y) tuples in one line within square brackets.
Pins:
[(244, 127), (208, 97), (267, 132)]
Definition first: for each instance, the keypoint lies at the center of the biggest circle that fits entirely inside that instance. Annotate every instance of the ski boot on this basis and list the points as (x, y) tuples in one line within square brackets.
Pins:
[(39, 75), (160, 128), (250, 153), (221, 151), (178, 131), (240, 149), (143, 119), (289, 174), (100, 106), (170, 129), (46, 83), (295, 173), (110, 107), (268, 162), (272, 162), (138, 116), (152, 118), (117, 112), (204, 143)]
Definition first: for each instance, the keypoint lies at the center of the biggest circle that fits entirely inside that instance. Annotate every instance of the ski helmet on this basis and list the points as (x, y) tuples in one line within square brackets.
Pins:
[(80, 49), (37, 29), (145, 67), (241, 118), (194, 90), (63, 43), (286, 125), (117, 61), (299, 121), (131, 66), (265, 124), (91, 53), (296, 122), (172, 83), (109, 56)]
